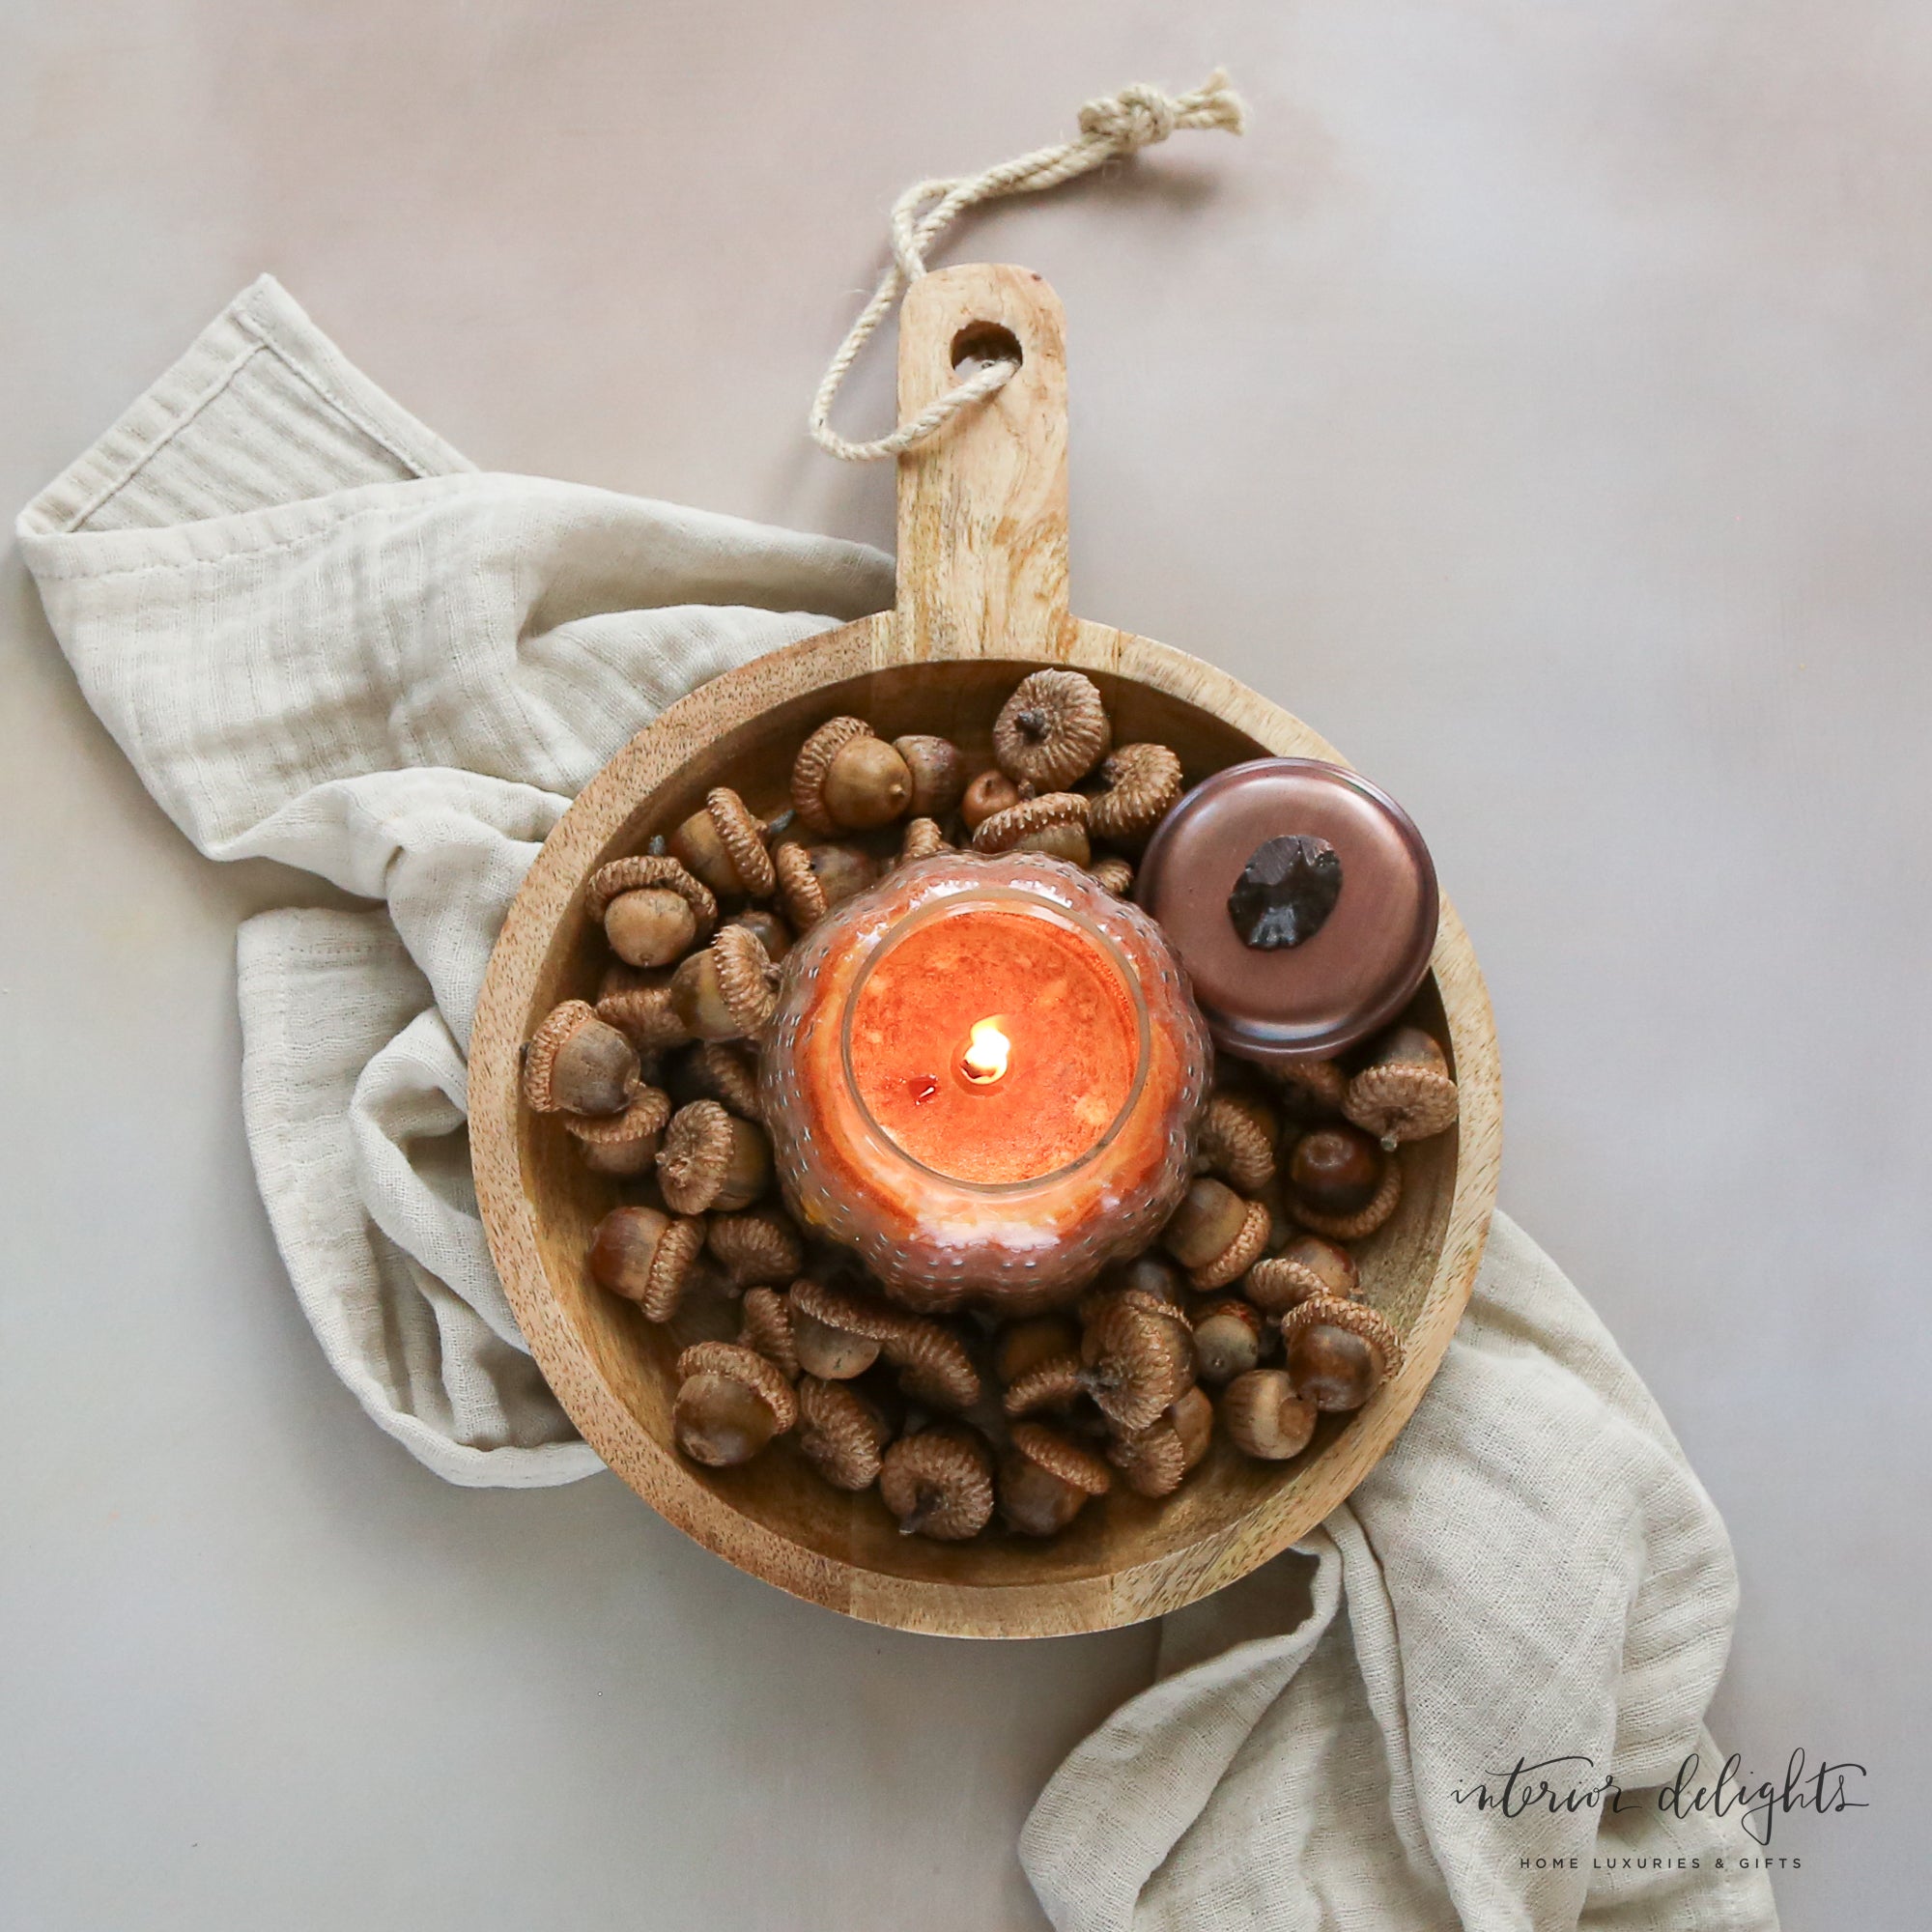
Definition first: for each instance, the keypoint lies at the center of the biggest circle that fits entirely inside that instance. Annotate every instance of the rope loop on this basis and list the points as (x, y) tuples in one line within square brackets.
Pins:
[(1115, 126)]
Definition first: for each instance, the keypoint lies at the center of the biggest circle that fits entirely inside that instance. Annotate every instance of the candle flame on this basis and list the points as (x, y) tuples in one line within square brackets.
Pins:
[(986, 1052)]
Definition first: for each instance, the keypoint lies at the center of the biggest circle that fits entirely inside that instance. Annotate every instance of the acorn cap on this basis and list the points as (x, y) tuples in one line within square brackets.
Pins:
[(746, 977), (1068, 1460), (1002, 832), (645, 873), (939, 1483), (696, 1156), (639, 1005), (1141, 785), (726, 1073), (933, 1365), (924, 840), (1401, 1100), (561, 1026), (812, 763), (1279, 1283), (1234, 1145), (1152, 1461), (1356, 1317), (732, 1359), (742, 839), (759, 1248), (643, 1118), (841, 1434), (1054, 1383), (1319, 1082), (1112, 875), (767, 1329), (1241, 1253), (1137, 1360), (1052, 730), (1365, 1221), (839, 1308), (798, 886)]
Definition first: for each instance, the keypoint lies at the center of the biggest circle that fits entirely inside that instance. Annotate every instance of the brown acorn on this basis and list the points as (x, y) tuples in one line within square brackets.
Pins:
[(1311, 1090), (1140, 785), (933, 1365), (990, 792), (1309, 1264), (1137, 1355), (938, 775), (1227, 1340), (1341, 1184), (924, 840), (766, 927), (825, 1348), (578, 1064), (1053, 824), (814, 878), (1193, 1418), (840, 1433), (1210, 1215), (759, 1248), (1112, 874), (1236, 1145), (731, 1402), (711, 1160), (721, 1070), (1264, 1416), (1245, 1248), (1151, 1276), (1055, 1382), (1045, 1480), (626, 1143), (724, 846), (939, 1483), (652, 908), (1025, 1344), (639, 1005), (767, 1327), (1405, 1091), (846, 779), (1152, 1461), (646, 1257), (1052, 730), (729, 990), (1338, 1353)]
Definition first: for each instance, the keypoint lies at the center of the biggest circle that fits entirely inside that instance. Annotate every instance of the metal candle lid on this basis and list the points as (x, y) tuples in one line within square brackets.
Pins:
[(1332, 961)]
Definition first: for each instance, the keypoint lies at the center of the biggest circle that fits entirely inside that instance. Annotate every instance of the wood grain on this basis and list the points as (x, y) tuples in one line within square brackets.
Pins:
[(975, 615)]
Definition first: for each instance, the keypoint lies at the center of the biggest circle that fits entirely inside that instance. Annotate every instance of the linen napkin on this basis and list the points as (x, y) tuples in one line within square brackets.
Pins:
[(322, 637)]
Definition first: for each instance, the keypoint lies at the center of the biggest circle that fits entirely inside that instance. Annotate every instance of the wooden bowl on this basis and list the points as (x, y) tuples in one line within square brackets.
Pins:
[(982, 578)]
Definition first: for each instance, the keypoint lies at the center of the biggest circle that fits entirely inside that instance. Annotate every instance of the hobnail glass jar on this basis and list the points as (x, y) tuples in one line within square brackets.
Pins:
[(952, 1180)]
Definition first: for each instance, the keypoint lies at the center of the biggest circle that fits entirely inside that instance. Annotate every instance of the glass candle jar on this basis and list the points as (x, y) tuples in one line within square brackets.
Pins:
[(984, 1076)]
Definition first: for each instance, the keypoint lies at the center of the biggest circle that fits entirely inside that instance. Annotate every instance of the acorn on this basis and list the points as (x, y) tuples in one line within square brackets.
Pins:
[(841, 1434), (1338, 1353), (1045, 1480), (1227, 1340), (1236, 1144), (711, 1160), (731, 1402), (1264, 1416), (1311, 1090), (1138, 1356), (938, 775), (724, 846), (1112, 875), (721, 1070), (1152, 1461), (578, 1064), (1308, 1266), (1405, 1091), (989, 793), (1216, 1235), (1140, 784), (757, 1249), (839, 1332), (726, 991), (767, 929), (1152, 1276), (767, 1329), (652, 908), (1053, 824), (846, 779), (646, 1257), (1052, 730), (813, 879), (939, 1483), (924, 840), (933, 1366), (626, 1143), (1054, 1382), (1025, 1344), (639, 1005), (1341, 1184), (1193, 1418)]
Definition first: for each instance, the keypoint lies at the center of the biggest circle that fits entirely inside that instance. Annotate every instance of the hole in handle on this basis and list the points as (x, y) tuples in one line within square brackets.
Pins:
[(980, 344)]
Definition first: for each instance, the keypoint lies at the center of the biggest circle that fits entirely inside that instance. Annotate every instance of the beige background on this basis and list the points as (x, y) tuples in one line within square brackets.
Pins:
[(1537, 401)]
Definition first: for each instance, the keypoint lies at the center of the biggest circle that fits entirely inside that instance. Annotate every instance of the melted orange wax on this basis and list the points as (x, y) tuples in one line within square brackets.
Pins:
[(1057, 998)]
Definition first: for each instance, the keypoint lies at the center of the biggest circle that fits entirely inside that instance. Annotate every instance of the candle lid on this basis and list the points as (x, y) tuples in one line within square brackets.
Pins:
[(1302, 901)]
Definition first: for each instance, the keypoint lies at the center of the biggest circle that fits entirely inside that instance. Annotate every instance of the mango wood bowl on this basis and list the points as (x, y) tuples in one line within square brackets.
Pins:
[(981, 601)]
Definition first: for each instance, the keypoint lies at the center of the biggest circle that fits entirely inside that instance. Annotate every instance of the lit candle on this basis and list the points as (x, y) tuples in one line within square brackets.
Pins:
[(983, 1075)]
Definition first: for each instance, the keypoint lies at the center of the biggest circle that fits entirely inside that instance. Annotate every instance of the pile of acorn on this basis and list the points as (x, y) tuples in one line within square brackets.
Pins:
[(1251, 1311)]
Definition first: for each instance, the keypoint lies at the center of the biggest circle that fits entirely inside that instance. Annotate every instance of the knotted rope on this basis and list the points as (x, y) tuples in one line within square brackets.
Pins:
[(1119, 124)]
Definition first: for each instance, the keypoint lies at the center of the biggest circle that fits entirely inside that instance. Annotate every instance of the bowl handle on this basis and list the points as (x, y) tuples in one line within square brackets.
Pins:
[(982, 505)]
